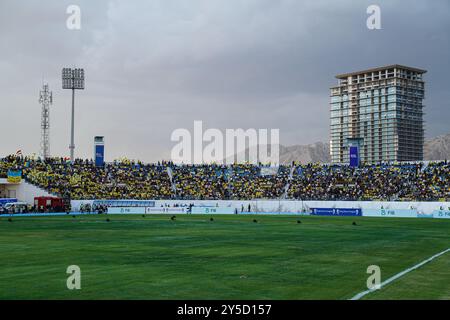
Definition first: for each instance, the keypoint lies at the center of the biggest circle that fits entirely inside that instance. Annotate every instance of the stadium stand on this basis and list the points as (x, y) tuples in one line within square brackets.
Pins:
[(2, 173), (165, 180), (201, 182)]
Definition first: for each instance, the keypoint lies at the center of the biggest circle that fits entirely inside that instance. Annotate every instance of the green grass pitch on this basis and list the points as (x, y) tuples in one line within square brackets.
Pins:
[(232, 257)]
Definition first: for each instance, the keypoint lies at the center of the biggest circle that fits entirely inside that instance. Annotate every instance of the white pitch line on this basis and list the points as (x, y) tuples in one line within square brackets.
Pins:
[(398, 275)]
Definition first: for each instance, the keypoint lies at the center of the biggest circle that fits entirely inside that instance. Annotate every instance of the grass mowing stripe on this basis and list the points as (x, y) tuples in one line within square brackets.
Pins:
[(398, 275)]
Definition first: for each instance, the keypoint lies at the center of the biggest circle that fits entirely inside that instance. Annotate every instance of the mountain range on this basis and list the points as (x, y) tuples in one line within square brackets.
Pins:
[(437, 148)]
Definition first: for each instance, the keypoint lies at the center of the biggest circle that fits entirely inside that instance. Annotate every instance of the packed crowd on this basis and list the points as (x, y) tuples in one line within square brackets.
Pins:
[(83, 180), (165, 180), (248, 182), (404, 182), (201, 181)]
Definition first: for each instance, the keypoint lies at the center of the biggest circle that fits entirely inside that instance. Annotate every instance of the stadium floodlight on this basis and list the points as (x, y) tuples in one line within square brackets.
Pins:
[(72, 79)]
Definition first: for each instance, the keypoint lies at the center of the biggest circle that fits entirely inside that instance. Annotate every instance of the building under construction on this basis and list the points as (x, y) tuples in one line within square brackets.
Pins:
[(379, 111)]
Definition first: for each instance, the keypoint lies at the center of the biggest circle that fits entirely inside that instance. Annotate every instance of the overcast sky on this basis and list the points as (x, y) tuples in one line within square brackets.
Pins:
[(155, 66)]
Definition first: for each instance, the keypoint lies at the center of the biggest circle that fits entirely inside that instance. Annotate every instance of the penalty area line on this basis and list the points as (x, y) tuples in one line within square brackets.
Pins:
[(400, 274)]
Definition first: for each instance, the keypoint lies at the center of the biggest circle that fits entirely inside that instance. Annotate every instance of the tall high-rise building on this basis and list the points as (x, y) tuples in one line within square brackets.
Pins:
[(379, 112)]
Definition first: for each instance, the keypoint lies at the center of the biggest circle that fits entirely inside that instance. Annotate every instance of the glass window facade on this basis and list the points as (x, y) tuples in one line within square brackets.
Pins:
[(384, 110)]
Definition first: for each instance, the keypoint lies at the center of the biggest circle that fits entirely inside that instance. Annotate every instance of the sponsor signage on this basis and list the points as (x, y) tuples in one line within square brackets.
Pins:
[(124, 203), (394, 213), (126, 210), (424, 215), (336, 212), (145, 210), (152, 210), (441, 214), (212, 210), (4, 201)]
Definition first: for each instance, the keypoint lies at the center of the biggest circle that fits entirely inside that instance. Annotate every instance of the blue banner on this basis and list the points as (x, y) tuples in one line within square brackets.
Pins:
[(4, 201), (124, 203), (336, 212), (354, 156), (99, 155)]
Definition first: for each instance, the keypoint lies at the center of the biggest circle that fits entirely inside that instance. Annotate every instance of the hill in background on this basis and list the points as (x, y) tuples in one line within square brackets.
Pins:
[(437, 148)]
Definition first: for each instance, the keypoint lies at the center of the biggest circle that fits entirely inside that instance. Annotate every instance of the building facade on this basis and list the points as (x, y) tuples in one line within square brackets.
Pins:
[(379, 110)]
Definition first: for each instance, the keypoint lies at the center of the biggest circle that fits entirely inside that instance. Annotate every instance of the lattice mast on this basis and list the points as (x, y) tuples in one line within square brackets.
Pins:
[(45, 99)]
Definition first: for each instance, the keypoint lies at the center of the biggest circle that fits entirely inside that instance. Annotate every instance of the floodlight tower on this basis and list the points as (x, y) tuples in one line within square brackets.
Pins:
[(72, 79), (46, 99)]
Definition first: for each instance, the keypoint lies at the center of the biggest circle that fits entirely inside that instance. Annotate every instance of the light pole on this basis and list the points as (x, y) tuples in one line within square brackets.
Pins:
[(72, 79)]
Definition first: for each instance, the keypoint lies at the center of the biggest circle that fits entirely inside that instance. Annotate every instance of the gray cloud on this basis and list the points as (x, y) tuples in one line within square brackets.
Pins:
[(154, 66)]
